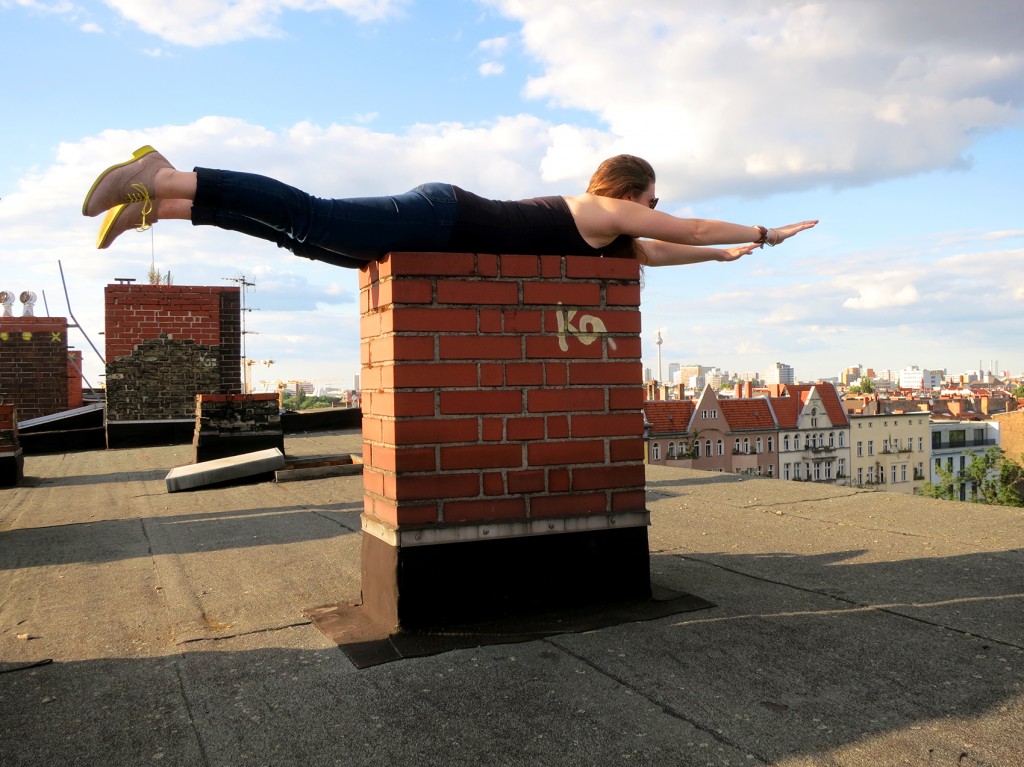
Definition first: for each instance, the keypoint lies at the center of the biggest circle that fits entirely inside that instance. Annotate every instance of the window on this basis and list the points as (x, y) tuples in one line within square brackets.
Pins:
[(903, 473), (871, 447), (894, 473), (704, 414), (714, 414), (771, 470), (860, 448), (671, 450), (842, 467), (785, 471), (936, 440), (938, 464), (885, 446), (920, 444), (721, 447), (871, 475), (785, 442), (828, 469), (655, 451), (957, 437), (696, 448), (759, 445), (842, 439), (796, 470), (707, 448), (814, 417), (771, 444), (860, 476), (736, 445), (817, 470), (831, 439), (746, 445)]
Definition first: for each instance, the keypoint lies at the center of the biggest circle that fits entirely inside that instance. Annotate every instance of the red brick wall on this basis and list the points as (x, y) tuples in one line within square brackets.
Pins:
[(75, 379), (202, 317), (34, 365), (490, 394), (8, 428), (137, 313)]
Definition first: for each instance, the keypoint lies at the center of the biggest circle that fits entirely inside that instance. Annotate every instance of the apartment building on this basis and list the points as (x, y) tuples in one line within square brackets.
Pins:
[(814, 433), (956, 442), (737, 436), (890, 451)]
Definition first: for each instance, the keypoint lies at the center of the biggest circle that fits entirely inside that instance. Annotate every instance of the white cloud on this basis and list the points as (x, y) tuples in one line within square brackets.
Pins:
[(214, 22), (746, 96), (491, 68), (494, 46), (882, 294)]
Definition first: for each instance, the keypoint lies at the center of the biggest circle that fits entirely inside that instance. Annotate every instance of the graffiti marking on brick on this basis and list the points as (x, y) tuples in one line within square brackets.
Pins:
[(587, 328)]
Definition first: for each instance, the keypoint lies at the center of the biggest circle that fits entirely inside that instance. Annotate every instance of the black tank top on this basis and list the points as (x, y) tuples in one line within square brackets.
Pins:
[(541, 226)]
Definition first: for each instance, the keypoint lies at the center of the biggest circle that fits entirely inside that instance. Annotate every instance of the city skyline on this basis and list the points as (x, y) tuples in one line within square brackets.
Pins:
[(899, 129), (670, 368)]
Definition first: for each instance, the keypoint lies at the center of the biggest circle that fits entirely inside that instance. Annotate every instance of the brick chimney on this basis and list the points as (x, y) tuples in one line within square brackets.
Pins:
[(502, 435)]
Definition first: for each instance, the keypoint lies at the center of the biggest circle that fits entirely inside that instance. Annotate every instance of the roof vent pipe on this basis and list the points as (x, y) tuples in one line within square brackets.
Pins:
[(28, 300)]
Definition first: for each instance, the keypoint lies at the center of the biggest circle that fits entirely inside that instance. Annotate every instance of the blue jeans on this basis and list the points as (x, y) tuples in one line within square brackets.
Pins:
[(344, 232)]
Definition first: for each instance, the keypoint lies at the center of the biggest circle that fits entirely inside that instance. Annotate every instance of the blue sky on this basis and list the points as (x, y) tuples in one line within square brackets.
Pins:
[(897, 124)]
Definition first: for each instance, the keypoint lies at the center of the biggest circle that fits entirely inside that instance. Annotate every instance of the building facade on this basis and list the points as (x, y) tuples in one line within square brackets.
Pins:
[(890, 451), (713, 434), (814, 433), (954, 445)]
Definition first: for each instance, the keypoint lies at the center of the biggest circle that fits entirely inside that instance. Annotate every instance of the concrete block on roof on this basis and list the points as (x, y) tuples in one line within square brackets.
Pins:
[(224, 469)]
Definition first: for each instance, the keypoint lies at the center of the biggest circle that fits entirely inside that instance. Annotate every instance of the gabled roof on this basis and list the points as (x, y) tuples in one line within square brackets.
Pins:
[(669, 416), (748, 414), (829, 398)]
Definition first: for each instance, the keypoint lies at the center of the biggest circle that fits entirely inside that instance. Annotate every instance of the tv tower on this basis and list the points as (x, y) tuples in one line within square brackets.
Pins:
[(659, 342)]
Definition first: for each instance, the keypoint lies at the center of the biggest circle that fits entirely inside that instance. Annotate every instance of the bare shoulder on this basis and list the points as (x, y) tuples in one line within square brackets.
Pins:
[(597, 218)]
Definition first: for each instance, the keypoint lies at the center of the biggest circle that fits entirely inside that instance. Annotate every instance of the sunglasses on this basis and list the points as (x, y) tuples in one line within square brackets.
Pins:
[(653, 203)]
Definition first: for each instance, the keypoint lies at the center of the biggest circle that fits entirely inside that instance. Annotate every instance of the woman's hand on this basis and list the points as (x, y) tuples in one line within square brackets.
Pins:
[(731, 254), (781, 233)]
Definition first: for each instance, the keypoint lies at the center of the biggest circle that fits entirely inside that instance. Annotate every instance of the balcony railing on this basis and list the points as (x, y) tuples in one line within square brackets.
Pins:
[(947, 445)]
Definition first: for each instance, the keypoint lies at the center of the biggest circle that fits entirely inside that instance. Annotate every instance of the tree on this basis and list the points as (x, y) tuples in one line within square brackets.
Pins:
[(997, 480), (863, 386)]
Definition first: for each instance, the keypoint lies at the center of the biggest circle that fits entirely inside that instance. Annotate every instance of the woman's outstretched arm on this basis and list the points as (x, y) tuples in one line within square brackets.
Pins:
[(602, 219), (658, 253)]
